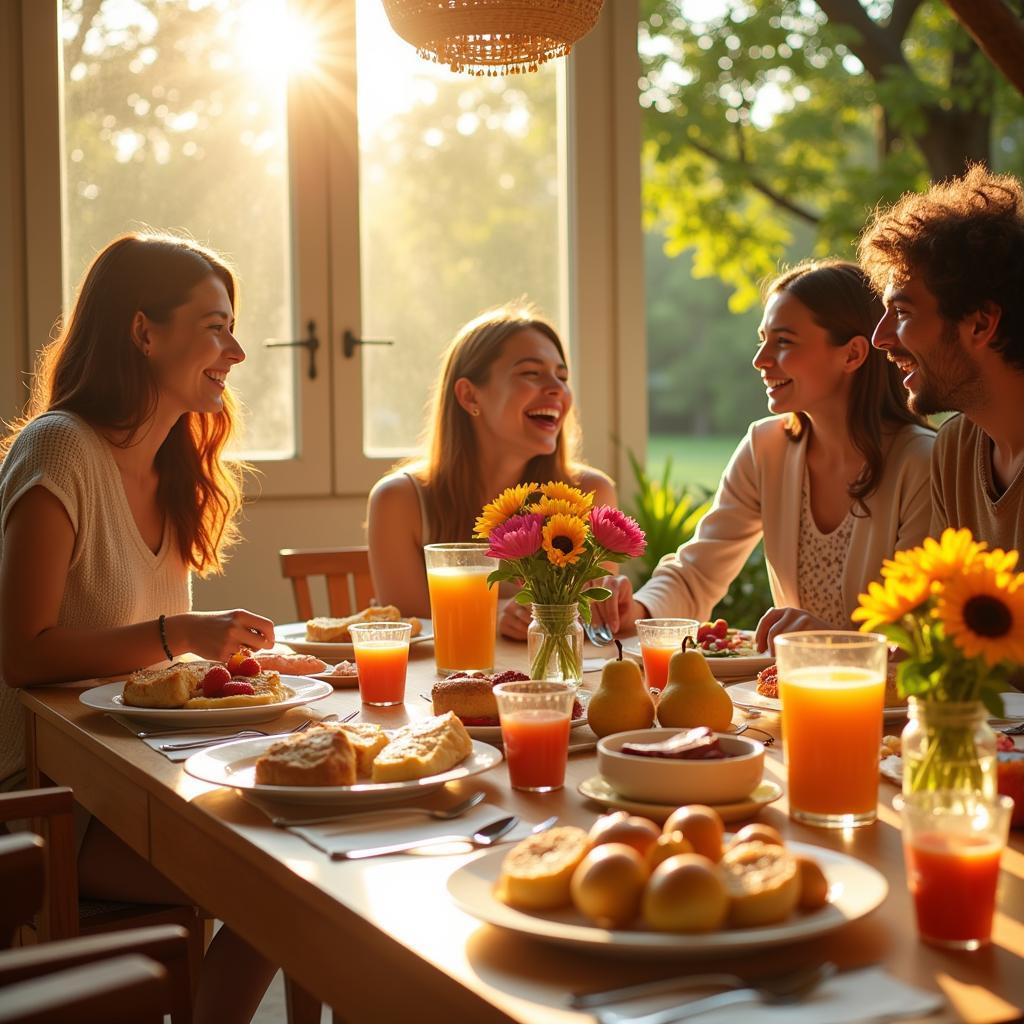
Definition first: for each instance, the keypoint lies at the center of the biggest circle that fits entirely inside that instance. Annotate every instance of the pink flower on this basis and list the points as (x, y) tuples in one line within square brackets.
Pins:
[(517, 537), (616, 532)]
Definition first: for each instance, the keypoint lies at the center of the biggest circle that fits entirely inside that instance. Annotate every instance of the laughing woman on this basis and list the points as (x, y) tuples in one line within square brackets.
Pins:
[(112, 491), (502, 415), (836, 480)]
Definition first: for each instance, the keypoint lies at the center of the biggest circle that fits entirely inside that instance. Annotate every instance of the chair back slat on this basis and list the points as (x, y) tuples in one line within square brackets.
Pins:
[(347, 574)]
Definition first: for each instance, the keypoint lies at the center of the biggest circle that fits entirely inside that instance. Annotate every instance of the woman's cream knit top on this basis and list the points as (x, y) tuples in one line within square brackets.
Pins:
[(114, 579)]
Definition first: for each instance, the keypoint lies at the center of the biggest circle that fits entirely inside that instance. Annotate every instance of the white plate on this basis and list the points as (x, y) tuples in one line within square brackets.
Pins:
[(293, 635), (738, 667), (745, 695), (855, 889), (492, 733), (1013, 706), (597, 789), (891, 768), (234, 764), (108, 698)]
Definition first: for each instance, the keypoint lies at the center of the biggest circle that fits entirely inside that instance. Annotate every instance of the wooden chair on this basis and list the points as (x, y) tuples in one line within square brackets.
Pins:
[(63, 915), (133, 977), (347, 570)]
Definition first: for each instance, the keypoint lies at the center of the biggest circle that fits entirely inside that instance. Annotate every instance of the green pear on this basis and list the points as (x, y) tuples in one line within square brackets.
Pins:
[(621, 700), (692, 695)]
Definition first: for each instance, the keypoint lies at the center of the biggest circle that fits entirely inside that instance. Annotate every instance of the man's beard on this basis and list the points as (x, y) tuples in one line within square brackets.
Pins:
[(957, 389)]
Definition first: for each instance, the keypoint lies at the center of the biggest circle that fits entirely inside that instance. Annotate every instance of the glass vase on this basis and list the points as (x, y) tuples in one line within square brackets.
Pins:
[(554, 643), (948, 745)]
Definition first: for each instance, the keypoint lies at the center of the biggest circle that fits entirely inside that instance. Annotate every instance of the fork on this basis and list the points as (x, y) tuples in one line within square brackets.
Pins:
[(446, 814), (244, 733), (786, 988)]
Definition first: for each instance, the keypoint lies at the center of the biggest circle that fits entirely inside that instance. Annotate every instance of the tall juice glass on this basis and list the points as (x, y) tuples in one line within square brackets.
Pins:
[(463, 608), (952, 850), (659, 640), (382, 657), (832, 687), (535, 720)]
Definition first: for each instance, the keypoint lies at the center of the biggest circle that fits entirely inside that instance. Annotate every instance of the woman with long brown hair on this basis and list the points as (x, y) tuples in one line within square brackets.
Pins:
[(835, 481), (502, 415), (113, 490)]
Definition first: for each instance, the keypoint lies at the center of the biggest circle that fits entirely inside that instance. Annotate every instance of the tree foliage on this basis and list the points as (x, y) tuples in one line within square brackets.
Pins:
[(763, 117)]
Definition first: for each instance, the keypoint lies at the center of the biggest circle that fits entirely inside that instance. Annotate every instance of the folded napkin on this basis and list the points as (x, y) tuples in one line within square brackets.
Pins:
[(174, 735), (850, 997), (337, 837)]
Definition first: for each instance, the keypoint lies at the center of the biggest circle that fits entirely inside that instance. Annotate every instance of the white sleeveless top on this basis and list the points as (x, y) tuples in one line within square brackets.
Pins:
[(114, 579)]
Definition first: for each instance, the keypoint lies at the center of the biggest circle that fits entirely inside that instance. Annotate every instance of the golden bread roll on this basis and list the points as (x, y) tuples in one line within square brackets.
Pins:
[(423, 748), (320, 757), (763, 883), (327, 630), (468, 696), (169, 687), (367, 739), (536, 874)]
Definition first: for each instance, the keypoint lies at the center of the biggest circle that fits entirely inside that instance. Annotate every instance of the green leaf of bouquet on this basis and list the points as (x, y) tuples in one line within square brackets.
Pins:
[(596, 594), (584, 609), (524, 597), (501, 575), (911, 680)]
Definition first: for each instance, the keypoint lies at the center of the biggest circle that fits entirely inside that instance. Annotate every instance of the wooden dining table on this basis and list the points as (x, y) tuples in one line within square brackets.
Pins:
[(381, 940)]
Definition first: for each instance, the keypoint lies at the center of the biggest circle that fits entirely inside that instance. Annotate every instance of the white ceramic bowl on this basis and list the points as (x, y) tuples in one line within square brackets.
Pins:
[(666, 780)]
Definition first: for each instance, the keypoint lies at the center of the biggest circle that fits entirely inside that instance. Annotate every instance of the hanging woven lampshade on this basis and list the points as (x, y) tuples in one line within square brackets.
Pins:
[(492, 37)]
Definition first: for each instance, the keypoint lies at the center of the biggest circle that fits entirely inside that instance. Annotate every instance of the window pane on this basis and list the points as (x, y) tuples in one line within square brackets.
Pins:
[(169, 106), (461, 208)]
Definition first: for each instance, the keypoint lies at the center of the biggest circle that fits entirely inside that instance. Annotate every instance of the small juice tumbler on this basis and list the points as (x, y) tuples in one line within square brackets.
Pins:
[(535, 719), (952, 851), (659, 640), (382, 657), (832, 687), (463, 608)]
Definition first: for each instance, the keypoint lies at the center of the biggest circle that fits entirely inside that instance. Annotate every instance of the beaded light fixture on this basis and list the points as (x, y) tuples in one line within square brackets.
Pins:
[(492, 37)]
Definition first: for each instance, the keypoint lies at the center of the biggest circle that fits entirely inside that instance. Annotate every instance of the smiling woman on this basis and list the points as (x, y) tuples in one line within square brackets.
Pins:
[(502, 415)]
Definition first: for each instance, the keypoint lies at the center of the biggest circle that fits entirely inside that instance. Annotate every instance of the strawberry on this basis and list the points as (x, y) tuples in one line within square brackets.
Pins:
[(577, 709), (237, 686), (721, 628), (247, 667), (215, 680)]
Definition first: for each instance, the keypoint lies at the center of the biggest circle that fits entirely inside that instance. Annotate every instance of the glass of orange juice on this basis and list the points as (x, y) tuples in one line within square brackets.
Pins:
[(832, 686), (382, 657), (659, 640), (952, 851), (535, 719), (464, 609)]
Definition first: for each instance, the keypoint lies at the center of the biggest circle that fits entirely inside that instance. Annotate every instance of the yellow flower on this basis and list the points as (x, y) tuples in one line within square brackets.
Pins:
[(888, 602), (982, 610), (548, 507), (564, 537), (558, 491), (505, 505), (954, 552)]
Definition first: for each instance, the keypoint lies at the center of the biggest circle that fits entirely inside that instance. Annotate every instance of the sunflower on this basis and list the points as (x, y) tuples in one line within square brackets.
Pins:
[(938, 560), (983, 612), (888, 602), (564, 538), (548, 507), (509, 503), (582, 503)]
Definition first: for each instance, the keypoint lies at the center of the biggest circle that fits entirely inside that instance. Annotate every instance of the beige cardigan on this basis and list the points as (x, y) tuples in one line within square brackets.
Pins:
[(760, 494)]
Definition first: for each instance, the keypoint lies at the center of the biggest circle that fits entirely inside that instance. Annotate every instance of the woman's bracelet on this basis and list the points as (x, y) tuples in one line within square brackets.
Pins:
[(163, 637)]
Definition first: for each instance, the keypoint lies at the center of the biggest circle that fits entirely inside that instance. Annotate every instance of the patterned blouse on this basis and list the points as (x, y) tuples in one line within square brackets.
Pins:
[(821, 564)]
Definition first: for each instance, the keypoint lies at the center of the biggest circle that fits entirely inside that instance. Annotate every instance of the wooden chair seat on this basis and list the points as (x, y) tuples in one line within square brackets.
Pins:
[(347, 574)]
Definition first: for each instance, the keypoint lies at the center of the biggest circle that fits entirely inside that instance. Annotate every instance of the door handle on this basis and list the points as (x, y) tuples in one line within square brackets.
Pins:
[(311, 341), (349, 342)]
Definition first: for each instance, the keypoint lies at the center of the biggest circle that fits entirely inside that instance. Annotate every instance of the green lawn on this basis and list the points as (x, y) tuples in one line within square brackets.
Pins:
[(695, 460)]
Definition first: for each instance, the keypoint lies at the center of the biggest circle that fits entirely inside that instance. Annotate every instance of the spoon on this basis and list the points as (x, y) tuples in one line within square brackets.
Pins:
[(486, 836)]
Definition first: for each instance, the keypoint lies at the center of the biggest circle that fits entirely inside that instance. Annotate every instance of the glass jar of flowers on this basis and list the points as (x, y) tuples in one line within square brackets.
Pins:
[(957, 610), (553, 540)]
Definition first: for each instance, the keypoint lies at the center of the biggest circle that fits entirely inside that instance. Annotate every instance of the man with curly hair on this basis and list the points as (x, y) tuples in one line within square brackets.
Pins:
[(949, 264)]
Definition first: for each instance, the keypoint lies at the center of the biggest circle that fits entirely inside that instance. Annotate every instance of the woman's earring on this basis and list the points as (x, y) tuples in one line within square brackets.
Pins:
[(474, 412)]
